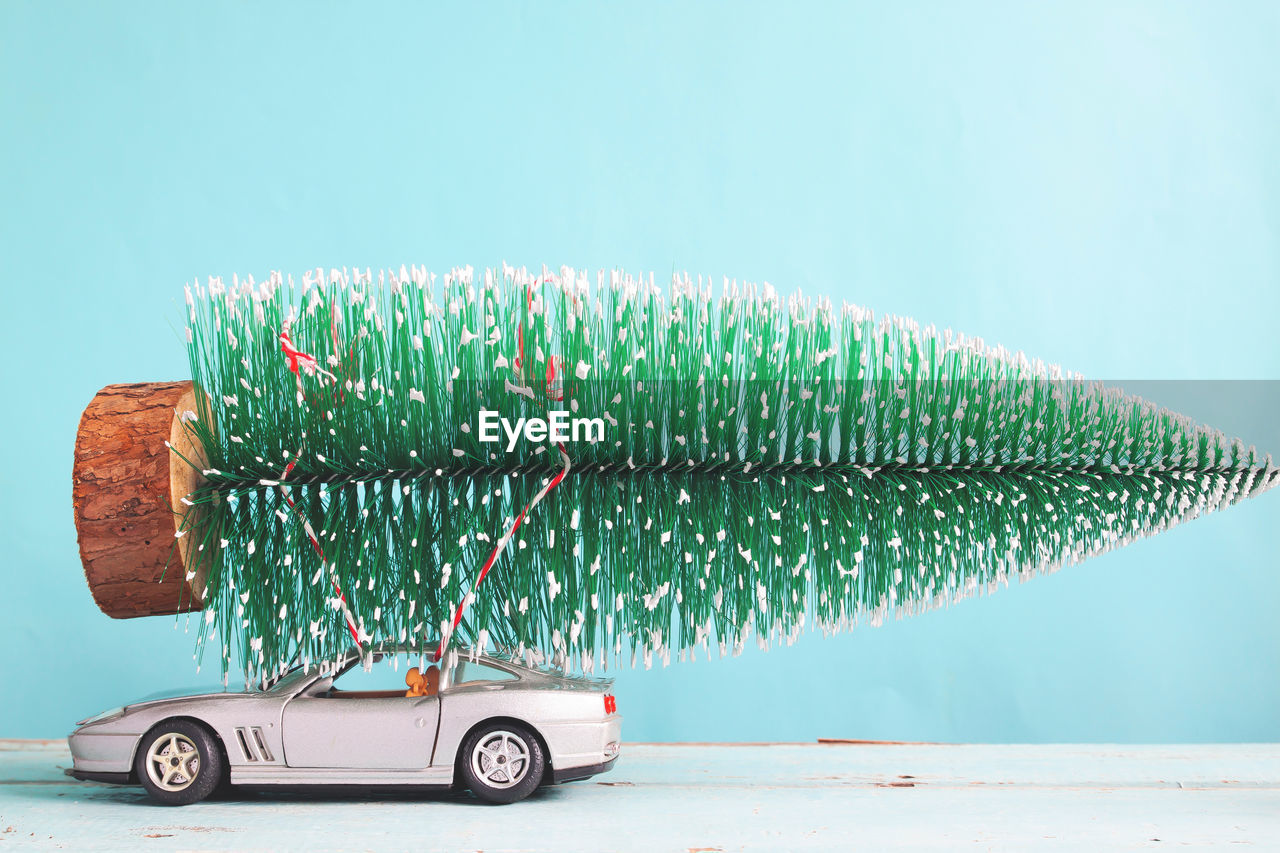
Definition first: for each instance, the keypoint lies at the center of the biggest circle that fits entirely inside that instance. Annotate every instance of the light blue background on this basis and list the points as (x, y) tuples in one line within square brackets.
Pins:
[(1095, 183)]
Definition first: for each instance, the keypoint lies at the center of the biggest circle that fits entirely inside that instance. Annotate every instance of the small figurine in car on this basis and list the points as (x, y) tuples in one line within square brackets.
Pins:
[(420, 684)]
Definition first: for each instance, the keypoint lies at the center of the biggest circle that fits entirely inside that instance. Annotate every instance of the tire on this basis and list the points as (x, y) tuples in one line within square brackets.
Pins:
[(190, 775), (502, 762)]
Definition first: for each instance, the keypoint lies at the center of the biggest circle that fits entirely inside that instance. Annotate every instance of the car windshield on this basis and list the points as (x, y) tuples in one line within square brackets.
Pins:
[(284, 682)]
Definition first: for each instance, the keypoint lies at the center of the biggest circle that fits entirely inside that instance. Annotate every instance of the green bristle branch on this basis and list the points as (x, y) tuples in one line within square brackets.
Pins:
[(765, 467)]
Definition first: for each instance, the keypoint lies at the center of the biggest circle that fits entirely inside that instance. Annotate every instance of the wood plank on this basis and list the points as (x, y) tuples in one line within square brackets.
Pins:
[(716, 797)]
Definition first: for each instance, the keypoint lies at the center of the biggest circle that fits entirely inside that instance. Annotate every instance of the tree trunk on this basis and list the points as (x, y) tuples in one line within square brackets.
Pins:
[(127, 489)]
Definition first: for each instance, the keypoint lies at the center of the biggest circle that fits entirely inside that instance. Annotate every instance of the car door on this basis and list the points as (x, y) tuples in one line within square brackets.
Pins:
[(358, 723)]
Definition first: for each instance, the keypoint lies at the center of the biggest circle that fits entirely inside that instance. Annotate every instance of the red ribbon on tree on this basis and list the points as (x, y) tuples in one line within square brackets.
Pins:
[(315, 544), (299, 363), (518, 364), (297, 358)]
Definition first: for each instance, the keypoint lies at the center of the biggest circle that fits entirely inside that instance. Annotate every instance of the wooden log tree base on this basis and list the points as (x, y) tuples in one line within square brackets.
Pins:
[(127, 489)]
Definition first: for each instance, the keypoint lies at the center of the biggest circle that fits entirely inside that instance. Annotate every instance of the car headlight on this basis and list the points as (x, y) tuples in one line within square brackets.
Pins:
[(103, 717)]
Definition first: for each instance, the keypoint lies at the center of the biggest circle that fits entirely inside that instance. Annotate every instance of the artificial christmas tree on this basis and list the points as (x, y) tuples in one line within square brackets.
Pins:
[(744, 467)]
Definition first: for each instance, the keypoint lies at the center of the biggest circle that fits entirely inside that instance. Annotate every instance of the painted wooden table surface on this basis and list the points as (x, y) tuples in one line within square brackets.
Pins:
[(714, 797)]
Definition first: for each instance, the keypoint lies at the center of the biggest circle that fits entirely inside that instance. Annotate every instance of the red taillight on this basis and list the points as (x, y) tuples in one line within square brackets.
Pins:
[(610, 704)]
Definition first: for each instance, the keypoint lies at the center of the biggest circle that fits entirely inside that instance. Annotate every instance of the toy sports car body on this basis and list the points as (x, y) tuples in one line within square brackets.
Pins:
[(490, 723)]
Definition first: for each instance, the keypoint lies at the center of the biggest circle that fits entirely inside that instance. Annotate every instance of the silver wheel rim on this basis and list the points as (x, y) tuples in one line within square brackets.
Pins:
[(173, 762), (500, 759)]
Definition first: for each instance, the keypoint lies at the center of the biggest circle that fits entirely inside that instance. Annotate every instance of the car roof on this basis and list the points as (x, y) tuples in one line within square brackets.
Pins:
[(456, 653)]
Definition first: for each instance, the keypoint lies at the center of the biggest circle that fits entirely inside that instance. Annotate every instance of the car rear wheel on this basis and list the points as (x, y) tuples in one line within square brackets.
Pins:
[(179, 763), (502, 762)]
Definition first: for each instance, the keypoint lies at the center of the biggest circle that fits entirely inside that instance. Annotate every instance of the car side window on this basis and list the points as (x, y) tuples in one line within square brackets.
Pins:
[(472, 672), (385, 676)]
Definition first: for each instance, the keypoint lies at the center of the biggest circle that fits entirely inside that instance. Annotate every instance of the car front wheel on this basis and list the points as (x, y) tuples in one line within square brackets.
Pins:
[(179, 763), (502, 762)]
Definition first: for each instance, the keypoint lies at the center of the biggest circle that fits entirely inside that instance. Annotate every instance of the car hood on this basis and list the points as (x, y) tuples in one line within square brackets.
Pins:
[(181, 693), (144, 707)]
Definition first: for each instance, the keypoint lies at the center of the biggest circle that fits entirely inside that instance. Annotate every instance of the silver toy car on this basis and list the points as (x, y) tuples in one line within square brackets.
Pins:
[(486, 722)]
